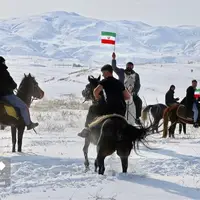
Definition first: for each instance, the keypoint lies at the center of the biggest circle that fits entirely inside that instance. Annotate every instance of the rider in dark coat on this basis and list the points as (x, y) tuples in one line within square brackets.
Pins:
[(169, 97), (7, 85), (191, 103), (115, 93)]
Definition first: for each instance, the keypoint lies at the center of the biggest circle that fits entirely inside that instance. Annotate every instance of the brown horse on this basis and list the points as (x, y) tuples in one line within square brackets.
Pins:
[(175, 114), (9, 116), (157, 111)]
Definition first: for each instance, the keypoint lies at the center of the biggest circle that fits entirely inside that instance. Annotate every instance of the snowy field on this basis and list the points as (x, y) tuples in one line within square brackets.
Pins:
[(51, 165)]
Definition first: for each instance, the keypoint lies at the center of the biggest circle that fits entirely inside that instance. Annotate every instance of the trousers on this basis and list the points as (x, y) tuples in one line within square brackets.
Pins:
[(138, 105), (18, 103), (196, 112)]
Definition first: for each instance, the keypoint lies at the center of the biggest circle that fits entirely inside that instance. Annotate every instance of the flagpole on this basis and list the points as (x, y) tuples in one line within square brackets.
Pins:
[(115, 39)]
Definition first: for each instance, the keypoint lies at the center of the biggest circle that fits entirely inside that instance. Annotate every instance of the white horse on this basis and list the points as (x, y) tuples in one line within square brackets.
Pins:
[(130, 111), (129, 82)]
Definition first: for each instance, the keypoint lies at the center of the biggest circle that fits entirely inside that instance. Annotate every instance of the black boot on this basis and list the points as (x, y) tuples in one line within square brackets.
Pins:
[(137, 121), (84, 133), (32, 126), (196, 125)]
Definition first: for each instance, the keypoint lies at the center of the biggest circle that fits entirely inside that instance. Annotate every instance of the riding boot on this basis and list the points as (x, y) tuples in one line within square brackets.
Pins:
[(84, 133), (2, 127), (92, 113), (196, 125), (32, 126), (138, 107)]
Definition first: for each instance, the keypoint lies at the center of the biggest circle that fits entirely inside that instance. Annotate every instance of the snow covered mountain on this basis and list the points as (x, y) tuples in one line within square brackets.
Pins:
[(63, 35)]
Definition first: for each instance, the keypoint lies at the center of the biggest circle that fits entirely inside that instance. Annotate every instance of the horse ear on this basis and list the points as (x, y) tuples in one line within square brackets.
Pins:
[(89, 78), (29, 74), (99, 78), (24, 75)]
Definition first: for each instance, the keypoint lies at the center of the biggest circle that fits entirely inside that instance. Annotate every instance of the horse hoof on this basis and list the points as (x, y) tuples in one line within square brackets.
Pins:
[(13, 150), (87, 169)]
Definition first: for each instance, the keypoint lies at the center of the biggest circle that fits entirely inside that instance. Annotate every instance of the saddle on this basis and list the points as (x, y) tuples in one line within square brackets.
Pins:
[(181, 113), (10, 110)]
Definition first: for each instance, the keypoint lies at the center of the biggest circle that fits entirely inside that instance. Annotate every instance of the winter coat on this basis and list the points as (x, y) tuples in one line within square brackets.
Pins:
[(169, 98), (7, 84), (123, 77), (189, 99)]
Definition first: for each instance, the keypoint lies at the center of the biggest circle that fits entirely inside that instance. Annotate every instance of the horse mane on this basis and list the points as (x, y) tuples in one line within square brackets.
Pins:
[(100, 119)]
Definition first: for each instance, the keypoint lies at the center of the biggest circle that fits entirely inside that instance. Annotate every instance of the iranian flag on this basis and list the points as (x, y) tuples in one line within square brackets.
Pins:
[(108, 37), (197, 93)]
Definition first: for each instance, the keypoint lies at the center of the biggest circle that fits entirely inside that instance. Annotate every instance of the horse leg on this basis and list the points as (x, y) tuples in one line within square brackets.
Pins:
[(85, 151), (20, 137), (173, 130), (100, 163), (124, 162), (165, 123), (170, 131), (156, 124), (95, 165), (13, 132), (180, 128), (184, 128)]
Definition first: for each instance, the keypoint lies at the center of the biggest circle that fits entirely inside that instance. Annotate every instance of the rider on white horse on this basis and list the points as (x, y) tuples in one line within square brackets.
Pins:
[(131, 81)]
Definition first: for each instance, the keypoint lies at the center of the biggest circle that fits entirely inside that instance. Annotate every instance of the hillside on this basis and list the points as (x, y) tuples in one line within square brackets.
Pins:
[(62, 35)]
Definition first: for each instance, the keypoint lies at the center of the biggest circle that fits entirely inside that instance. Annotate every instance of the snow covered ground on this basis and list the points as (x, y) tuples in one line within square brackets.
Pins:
[(51, 165)]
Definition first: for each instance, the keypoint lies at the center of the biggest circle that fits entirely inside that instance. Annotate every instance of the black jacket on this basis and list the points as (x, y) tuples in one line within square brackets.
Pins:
[(169, 98), (7, 84), (189, 99)]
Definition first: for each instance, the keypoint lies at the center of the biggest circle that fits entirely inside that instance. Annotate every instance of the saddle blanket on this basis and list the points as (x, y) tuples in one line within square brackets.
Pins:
[(103, 117), (10, 110)]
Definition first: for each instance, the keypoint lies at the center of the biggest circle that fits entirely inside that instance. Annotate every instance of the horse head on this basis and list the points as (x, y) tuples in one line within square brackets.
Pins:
[(87, 93), (29, 89)]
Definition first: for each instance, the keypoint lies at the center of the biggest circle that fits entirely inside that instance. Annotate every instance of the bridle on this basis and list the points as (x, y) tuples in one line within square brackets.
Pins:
[(18, 91)]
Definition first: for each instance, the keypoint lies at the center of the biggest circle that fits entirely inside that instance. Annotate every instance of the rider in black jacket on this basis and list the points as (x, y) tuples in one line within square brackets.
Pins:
[(169, 97), (192, 103)]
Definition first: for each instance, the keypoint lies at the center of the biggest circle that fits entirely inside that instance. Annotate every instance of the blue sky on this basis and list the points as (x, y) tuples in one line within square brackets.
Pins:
[(153, 12)]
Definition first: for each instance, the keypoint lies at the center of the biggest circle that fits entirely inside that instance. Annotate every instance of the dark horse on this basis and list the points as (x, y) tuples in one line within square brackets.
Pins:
[(175, 114), (111, 133), (157, 111), (28, 91)]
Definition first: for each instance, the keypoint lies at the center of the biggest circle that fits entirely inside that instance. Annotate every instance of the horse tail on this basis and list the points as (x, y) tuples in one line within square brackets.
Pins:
[(145, 111), (165, 121), (137, 136)]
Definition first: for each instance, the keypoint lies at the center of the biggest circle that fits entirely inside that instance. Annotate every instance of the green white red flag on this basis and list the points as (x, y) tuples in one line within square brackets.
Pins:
[(108, 37), (197, 93)]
